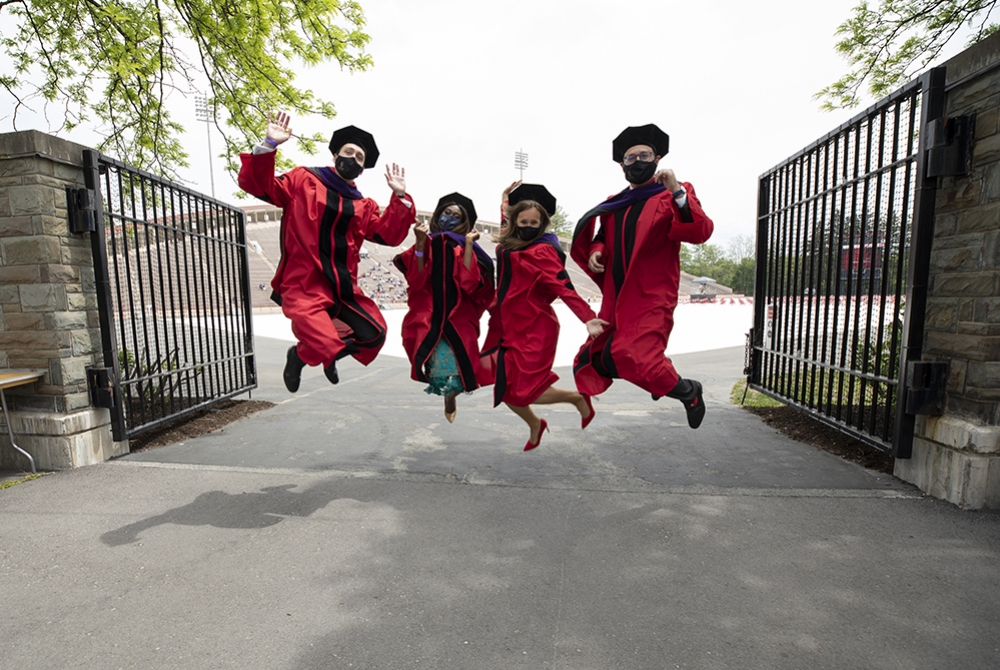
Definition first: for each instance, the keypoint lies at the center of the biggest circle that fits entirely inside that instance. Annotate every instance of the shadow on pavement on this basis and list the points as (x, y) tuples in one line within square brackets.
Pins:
[(225, 510)]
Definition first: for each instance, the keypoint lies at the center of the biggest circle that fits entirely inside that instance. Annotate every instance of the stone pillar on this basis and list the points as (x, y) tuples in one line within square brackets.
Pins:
[(957, 456), (48, 307)]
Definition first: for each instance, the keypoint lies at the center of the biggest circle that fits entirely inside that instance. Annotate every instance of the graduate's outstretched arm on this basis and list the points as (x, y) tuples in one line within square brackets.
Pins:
[(505, 197), (555, 276), (256, 175), (393, 225)]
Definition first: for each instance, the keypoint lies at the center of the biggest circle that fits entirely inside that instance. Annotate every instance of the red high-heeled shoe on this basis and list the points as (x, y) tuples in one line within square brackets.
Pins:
[(529, 446), (585, 420)]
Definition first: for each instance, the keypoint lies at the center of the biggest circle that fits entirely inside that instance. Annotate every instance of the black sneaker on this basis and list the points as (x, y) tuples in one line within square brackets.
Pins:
[(695, 408), (293, 370), (331, 373)]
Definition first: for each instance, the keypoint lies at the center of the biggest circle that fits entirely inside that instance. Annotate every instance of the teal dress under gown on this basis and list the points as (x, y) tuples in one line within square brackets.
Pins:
[(442, 371)]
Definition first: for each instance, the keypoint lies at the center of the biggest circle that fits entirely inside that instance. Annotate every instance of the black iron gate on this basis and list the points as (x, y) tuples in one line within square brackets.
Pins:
[(173, 294), (844, 232)]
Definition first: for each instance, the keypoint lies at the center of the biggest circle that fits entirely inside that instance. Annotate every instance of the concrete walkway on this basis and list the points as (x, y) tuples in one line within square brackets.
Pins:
[(353, 527)]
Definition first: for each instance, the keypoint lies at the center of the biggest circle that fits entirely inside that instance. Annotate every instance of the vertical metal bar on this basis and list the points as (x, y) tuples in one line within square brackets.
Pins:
[(208, 267), (225, 248), (205, 310), (918, 273), (167, 294), (874, 258), (761, 290), (124, 332), (829, 290), (810, 295), (246, 301), (856, 365), (178, 238), (212, 287), (102, 284), (778, 336), (786, 289), (885, 389), (194, 304), (902, 256), (798, 265), (232, 292), (774, 253), (157, 410), (142, 238)]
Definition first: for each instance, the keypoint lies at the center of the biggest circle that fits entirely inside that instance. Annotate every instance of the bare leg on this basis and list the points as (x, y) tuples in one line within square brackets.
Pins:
[(552, 395), (529, 417)]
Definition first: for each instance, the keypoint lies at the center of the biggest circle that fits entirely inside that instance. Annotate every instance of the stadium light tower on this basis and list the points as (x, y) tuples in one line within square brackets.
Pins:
[(204, 113), (521, 162)]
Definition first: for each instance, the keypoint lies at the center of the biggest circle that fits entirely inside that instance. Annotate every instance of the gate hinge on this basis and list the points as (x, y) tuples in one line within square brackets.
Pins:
[(925, 387), (100, 382), (81, 209), (949, 142)]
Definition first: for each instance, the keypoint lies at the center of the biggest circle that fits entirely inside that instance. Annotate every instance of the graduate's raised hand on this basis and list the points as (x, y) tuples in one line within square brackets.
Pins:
[(594, 263), (278, 129), (421, 230), (395, 177), (472, 235), (595, 327), (668, 179), (506, 196)]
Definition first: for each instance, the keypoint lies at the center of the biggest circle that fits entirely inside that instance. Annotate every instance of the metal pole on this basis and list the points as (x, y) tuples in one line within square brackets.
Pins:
[(102, 282), (202, 113), (211, 172), (921, 239), (10, 431)]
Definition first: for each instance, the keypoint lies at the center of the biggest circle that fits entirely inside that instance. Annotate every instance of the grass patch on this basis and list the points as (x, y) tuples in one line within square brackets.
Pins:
[(753, 399), (15, 482)]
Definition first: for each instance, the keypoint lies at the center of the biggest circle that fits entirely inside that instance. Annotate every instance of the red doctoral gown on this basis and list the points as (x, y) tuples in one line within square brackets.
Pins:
[(640, 247), (446, 301), (316, 280), (521, 341)]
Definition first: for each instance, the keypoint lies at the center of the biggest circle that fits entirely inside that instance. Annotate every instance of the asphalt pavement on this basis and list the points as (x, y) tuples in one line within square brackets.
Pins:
[(351, 526)]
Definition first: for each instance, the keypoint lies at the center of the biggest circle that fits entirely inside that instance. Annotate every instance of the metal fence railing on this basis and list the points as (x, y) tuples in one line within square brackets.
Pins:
[(176, 322), (841, 235)]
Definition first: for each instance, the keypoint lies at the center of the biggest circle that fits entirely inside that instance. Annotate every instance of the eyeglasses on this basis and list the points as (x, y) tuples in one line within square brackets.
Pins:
[(644, 156)]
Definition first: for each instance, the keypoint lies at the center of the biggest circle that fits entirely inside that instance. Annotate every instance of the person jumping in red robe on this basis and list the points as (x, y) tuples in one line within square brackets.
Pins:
[(521, 342), (635, 259), (324, 223), (451, 283)]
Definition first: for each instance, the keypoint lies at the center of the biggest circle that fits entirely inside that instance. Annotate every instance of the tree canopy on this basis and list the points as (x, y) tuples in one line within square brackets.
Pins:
[(118, 62), (561, 224), (887, 46)]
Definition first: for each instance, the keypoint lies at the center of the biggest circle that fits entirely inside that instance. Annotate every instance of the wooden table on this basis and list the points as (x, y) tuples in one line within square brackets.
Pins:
[(10, 379)]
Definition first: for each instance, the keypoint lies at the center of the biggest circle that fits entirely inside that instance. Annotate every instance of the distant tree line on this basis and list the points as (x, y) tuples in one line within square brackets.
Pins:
[(733, 267)]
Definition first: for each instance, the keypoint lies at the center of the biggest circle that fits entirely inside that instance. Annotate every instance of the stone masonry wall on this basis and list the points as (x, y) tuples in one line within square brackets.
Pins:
[(957, 456), (48, 304), (42, 300)]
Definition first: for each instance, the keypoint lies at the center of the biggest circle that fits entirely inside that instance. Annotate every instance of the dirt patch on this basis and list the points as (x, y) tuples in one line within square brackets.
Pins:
[(801, 428), (200, 423)]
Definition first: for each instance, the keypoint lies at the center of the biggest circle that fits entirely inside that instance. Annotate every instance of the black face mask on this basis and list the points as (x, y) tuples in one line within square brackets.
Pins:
[(640, 172), (348, 167), (527, 233)]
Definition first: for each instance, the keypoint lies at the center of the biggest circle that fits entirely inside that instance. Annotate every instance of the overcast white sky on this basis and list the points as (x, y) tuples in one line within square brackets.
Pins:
[(457, 87)]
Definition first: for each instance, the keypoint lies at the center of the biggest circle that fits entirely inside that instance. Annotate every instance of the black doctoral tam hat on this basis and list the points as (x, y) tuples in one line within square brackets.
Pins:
[(354, 135), (461, 201), (648, 134), (535, 192)]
